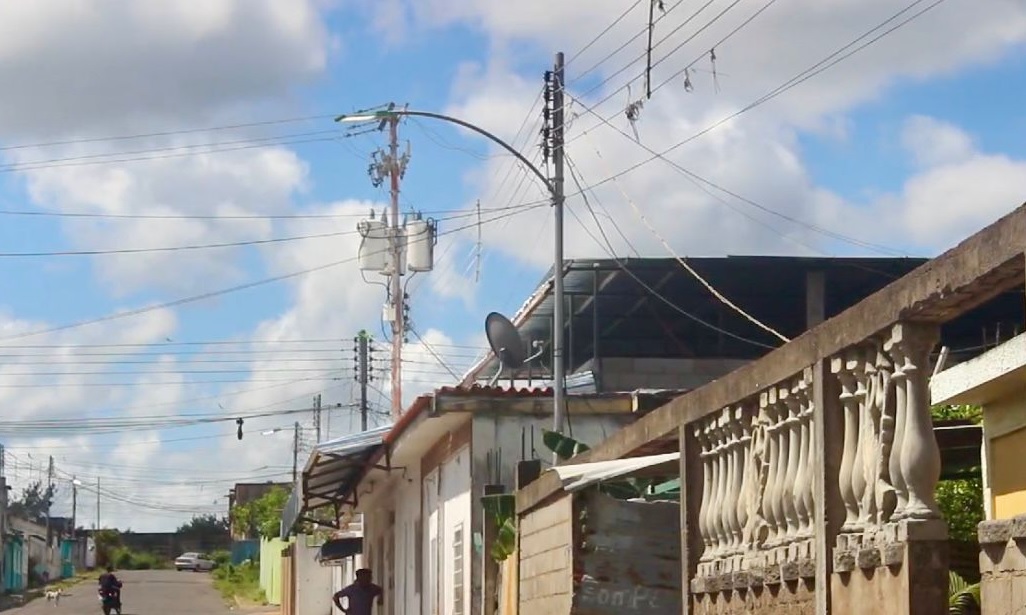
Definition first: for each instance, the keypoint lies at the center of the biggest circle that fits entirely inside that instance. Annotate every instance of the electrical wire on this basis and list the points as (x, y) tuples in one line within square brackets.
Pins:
[(609, 250), (212, 294), (597, 37), (683, 263)]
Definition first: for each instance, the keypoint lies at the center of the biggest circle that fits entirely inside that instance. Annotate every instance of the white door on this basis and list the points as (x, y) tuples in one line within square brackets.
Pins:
[(432, 519), (455, 541)]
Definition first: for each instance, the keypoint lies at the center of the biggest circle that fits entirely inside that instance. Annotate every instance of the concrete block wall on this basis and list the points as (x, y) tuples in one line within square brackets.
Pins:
[(546, 573), (623, 374), (1003, 566)]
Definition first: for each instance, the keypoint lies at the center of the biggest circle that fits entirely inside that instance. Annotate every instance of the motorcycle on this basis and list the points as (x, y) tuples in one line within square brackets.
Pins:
[(110, 601)]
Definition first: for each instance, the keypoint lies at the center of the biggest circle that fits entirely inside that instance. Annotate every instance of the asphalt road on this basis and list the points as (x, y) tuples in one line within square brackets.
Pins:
[(158, 592)]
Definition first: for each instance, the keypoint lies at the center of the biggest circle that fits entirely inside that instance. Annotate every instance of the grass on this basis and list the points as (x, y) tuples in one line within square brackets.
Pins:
[(240, 583)]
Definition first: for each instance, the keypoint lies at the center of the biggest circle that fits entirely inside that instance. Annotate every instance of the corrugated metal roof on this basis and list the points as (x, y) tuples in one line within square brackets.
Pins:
[(336, 466), (578, 476)]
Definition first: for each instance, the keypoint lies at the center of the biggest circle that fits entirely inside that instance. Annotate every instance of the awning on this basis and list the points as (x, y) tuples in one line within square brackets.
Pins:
[(339, 549), (581, 475), (331, 475)]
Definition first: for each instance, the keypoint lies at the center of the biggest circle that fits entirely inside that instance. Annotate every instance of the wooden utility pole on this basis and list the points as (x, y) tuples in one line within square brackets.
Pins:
[(97, 503), (295, 451), (317, 417), (74, 505), (363, 374)]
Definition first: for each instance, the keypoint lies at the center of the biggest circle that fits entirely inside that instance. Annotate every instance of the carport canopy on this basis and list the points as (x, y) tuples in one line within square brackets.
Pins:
[(330, 477)]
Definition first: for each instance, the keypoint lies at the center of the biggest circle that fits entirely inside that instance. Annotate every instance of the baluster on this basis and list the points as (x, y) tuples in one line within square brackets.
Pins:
[(791, 437), (702, 437), (868, 437), (781, 436), (843, 368), (749, 476), (920, 455), (768, 402), (803, 478), (723, 426), (810, 442), (736, 429), (717, 499), (886, 498), (900, 381)]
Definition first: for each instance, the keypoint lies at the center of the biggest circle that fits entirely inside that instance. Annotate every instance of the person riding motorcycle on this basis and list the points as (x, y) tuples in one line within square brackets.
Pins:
[(110, 584)]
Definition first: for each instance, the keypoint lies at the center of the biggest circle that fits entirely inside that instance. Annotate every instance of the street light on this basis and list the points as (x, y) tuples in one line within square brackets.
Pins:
[(555, 188), (295, 446)]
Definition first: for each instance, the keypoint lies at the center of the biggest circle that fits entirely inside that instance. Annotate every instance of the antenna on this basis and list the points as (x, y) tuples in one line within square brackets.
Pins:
[(507, 345)]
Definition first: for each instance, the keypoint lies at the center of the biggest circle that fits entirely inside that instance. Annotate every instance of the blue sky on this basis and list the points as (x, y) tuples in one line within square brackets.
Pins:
[(920, 130)]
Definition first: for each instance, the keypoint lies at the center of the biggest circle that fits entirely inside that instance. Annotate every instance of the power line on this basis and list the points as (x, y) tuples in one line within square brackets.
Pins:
[(687, 267), (216, 293), (594, 40)]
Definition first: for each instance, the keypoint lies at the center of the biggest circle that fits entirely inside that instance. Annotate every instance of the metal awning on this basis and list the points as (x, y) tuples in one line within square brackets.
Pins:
[(339, 549), (581, 475), (331, 475)]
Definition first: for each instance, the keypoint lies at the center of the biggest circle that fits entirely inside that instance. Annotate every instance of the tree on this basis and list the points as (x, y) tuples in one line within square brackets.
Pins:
[(34, 502), (961, 499), (107, 542), (204, 526), (262, 516)]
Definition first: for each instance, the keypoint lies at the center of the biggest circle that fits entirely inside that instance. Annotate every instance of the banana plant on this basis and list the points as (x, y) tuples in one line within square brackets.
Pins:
[(566, 447), (963, 598)]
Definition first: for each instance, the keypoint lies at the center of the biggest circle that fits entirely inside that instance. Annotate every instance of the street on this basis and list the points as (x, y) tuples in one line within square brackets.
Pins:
[(155, 592)]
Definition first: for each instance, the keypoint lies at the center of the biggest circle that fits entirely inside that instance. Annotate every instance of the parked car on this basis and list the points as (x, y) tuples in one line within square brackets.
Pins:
[(196, 562)]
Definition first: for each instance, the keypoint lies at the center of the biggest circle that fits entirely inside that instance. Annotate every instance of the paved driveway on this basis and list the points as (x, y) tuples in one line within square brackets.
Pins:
[(157, 592)]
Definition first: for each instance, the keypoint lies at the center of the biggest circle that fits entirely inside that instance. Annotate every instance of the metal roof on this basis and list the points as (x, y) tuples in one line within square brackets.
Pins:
[(333, 469), (613, 312), (578, 476)]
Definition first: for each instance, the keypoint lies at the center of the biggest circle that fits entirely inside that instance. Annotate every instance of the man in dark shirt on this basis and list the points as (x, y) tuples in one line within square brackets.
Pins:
[(360, 595), (110, 583)]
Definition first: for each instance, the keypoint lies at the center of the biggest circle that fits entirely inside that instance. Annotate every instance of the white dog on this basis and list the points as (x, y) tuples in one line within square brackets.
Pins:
[(54, 595)]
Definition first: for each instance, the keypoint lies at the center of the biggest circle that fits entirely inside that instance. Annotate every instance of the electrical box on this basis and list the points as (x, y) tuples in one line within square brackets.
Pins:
[(373, 253), (420, 244)]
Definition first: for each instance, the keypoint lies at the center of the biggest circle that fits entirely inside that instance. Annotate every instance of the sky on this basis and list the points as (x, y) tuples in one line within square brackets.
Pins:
[(178, 209)]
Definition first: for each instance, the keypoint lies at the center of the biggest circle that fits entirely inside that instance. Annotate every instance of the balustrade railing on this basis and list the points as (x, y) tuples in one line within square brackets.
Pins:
[(757, 461)]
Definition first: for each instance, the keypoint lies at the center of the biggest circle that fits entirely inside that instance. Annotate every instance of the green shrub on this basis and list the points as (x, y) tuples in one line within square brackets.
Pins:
[(242, 581), (221, 558), (126, 559)]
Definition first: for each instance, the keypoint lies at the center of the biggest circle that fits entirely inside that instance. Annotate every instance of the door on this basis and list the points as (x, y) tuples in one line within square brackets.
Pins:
[(454, 533), (432, 558)]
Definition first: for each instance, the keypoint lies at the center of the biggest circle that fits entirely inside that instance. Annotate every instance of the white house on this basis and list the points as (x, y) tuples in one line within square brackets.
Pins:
[(419, 485)]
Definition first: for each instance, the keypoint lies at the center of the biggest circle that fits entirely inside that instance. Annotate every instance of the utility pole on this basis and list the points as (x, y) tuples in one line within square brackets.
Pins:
[(363, 374), (395, 172), (296, 450), (555, 116), (49, 503), (97, 503), (317, 417), (74, 505)]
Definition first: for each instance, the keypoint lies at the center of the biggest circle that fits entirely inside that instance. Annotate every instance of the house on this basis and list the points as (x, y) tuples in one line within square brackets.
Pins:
[(244, 493), (648, 323), (808, 476), (995, 381), (419, 483)]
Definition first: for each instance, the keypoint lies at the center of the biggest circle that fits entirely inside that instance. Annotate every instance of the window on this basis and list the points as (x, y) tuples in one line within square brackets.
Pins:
[(457, 570)]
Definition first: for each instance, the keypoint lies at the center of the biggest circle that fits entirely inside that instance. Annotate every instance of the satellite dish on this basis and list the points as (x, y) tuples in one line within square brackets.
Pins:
[(505, 340)]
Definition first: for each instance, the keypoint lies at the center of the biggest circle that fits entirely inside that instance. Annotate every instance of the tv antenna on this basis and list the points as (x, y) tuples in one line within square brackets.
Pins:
[(508, 346)]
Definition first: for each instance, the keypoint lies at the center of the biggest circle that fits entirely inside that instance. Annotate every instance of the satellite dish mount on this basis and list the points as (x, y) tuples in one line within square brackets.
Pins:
[(508, 346)]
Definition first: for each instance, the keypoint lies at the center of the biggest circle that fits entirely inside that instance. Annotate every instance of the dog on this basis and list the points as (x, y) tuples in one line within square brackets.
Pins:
[(54, 596)]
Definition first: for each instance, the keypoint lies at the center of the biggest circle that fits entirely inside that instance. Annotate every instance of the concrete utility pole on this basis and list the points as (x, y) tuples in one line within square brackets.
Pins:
[(317, 417), (49, 502), (295, 451), (363, 373), (555, 116), (395, 172), (74, 501), (97, 503)]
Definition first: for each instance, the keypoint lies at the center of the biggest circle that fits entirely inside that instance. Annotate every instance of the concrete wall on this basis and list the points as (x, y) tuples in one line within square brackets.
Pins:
[(546, 566), (313, 581), (1003, 566), (408, 544), (169, 545), (621, 374), (270, 569)]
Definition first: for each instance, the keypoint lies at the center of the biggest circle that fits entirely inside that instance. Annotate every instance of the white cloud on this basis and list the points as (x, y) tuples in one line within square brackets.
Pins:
[(121, 64), (933, 143)]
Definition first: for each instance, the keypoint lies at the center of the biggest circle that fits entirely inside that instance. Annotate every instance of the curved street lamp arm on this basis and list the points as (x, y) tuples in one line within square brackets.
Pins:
[(481, 131)]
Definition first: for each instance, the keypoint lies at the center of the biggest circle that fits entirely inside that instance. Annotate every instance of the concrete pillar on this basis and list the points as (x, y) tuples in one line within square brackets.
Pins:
[(815, 298)]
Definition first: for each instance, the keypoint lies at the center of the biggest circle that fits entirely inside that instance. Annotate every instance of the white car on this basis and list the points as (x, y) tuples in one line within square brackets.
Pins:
[(196, 562)]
